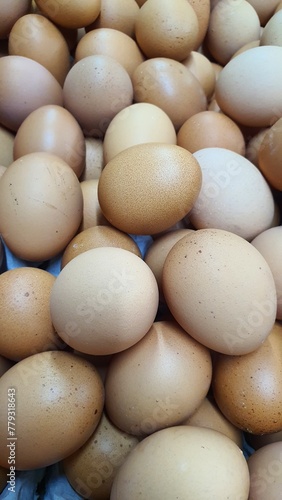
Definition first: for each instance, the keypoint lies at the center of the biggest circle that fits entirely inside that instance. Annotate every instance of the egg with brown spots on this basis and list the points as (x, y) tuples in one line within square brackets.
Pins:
[(59, 402)]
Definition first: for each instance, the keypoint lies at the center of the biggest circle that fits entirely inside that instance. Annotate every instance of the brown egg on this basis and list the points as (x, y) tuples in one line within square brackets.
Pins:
[(265, 468), (113, 43), (264, 9), (59, 400), (269, 155), (69, 14), (40, 206), (158, 251), (92, 214), (104, 300), (253, 146), (96, 88), (94, 159), (158, 382), (211, 129), (98, 236), (248, 389), (25, 321), (5, 365), (202, 10), (119, 15), (234, 195), (203, 70), (220, 290), (269, 244), (92, 469), (25, 85), (183, 462), (164, 29), (6, 146), (161, 81), (209, 415), (136, 124), (231, 25), (149, 187), (10, 12), (30, 36), (52, 129), (239, 97)]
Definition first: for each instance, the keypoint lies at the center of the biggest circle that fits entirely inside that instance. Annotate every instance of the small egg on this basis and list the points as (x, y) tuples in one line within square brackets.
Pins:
[(203, 70), (11, 11), (54, 130), (158, 382), (149, 187), (119, 15), (211, 271), (96, 88), (6, 146), (69, 14), (98, 236), (40, 206), (92, 214), (209, 129), (136, 124), (161, 81), (104, 300), (25, 85), (163, 29), (269, 155), (94, 159), (248, 389), (92, 469), (265, 468)]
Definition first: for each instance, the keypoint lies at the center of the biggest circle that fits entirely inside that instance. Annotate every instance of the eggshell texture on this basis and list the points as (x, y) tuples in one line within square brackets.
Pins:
[(269, 155), (183, 462), (209, 129), (254, 99), (202, 10), (6, 146), (137, 124), (161, 81), (272, 32), (163, 29), (269, 244), (40, 206), (5, 364), (113, 43), (30, 36), (10, 12), (98, 236), (96, 88), (265, 468), (220, 290), (208, 415), (234, 195), (94, 159), (99, 299), (248, 389), (149, 187), (203, 70), (69, 14), (52, 129), (25, 85), (92, 214), (25, 320), (55, 391), (158, 382), (264, 9), (92, 468), (231, 25), (119, 15)]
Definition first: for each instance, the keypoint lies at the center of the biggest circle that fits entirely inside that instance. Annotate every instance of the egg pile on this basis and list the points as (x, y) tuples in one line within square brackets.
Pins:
[(140, 251)]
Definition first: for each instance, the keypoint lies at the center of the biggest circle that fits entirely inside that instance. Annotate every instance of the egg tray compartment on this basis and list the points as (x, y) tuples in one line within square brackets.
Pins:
[(50, 483)]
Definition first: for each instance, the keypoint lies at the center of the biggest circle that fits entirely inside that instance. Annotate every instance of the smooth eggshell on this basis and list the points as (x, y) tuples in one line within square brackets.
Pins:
[(265, 10), (40, 206), (92, 214), (149, 187), (69, 14), (202, 10), (104, 300), (59, 400), (25, 85), (91, 469), (184, 462), (220, 290), (258, 83), (24, 300), (161, 81), (96, 88), (158, 382), (248, 389), (272, 32), (10, 12), (265, 468), (203, 70), (234, 195), (52, 129), (139, 123), (119, 15), (269, 155)]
